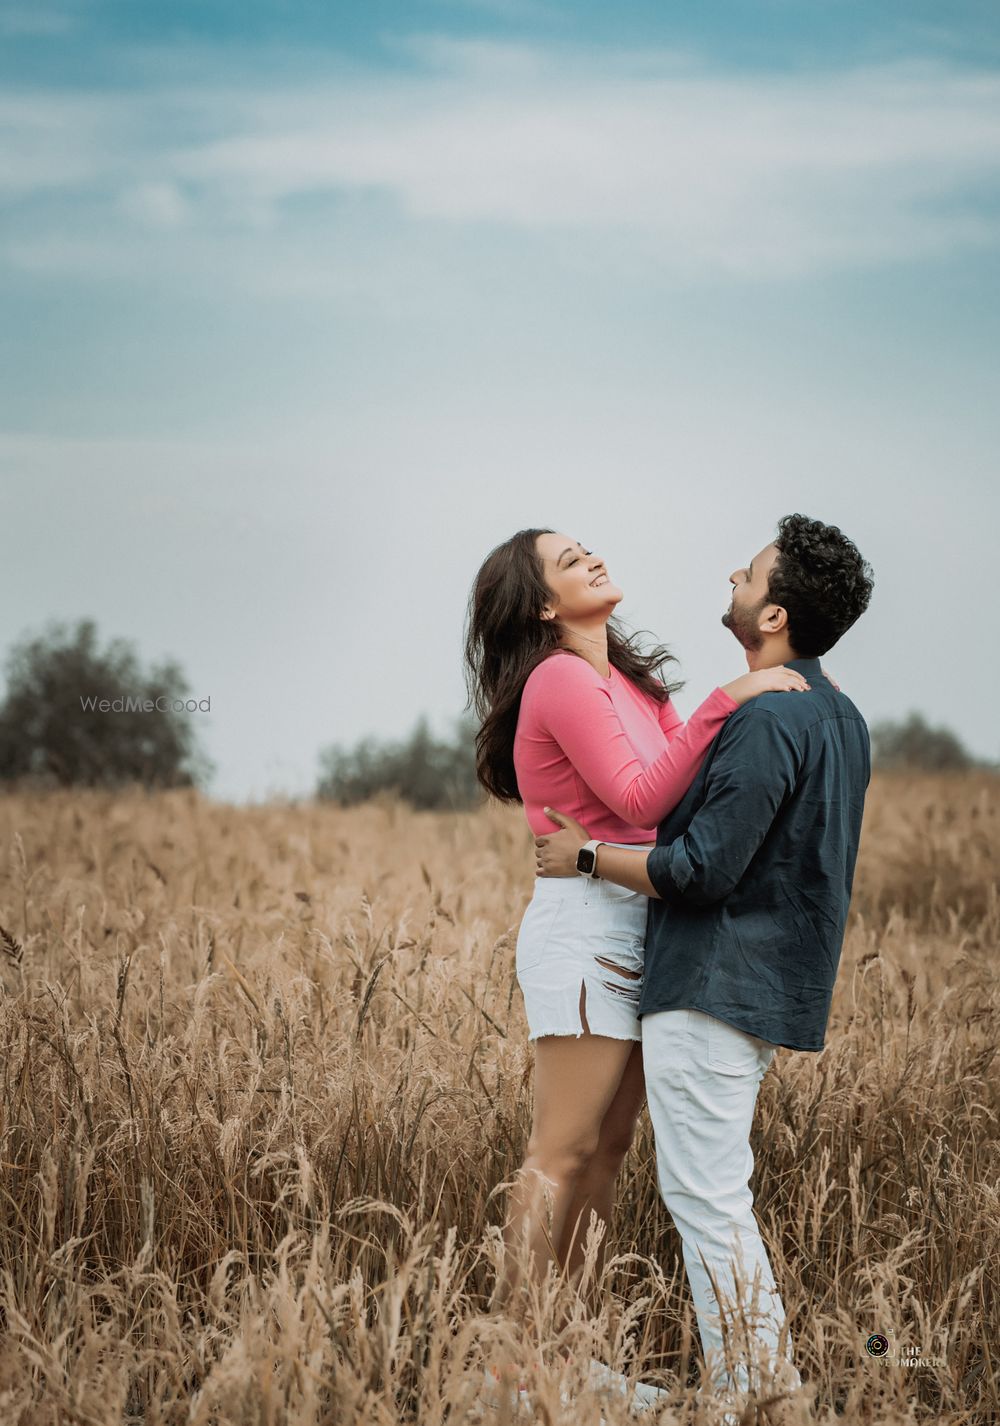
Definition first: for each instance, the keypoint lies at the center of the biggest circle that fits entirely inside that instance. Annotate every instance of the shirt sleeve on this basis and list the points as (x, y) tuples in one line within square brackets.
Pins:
[(669, 719), (754, 771), (579, 714)]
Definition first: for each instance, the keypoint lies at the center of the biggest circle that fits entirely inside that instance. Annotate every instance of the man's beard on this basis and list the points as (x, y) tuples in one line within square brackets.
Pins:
[(743, 623)]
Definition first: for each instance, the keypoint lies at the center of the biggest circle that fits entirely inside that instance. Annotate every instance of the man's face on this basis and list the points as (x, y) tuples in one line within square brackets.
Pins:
[(750, 598)]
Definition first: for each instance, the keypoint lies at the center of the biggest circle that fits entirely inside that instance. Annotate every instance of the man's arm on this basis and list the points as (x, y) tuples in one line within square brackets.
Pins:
[(625, 868), (753, 772), (556, 854), (755, 768)]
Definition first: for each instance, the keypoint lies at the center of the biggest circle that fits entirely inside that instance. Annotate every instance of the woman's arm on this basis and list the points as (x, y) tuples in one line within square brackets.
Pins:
[(669, 719), (741, 690), (577, 711)]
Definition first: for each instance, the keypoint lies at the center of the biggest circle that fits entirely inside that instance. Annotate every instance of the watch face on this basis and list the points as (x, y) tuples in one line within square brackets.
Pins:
[(586, 860)]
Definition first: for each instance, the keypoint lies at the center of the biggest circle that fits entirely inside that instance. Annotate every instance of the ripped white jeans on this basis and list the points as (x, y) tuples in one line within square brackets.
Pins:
[(580, 957)]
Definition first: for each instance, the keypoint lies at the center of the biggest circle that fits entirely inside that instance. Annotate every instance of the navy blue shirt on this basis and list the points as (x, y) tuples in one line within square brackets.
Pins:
[(755, 867)]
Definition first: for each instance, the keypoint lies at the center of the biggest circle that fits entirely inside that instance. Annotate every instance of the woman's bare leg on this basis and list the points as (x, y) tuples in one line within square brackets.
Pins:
[(595, 1187), (576, 1081)]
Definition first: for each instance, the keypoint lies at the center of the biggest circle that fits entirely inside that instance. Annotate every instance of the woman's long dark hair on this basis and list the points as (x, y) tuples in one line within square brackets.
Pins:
[(506, 638)]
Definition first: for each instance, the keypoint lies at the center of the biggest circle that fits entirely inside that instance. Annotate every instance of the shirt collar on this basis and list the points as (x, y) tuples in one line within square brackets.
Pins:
[(809, 668)]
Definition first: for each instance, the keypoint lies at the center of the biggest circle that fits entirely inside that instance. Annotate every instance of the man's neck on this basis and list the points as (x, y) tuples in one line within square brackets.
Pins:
[(770, 655)]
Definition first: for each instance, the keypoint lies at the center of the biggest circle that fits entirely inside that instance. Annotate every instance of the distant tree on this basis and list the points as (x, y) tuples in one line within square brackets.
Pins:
[(915, 744), (52, 733), (422, 770)]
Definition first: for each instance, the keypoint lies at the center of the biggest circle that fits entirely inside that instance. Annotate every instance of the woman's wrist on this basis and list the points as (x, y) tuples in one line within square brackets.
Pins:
[(725, 690)]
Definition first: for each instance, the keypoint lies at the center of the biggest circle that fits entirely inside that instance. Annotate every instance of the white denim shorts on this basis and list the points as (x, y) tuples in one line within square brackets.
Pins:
[(580, 956)]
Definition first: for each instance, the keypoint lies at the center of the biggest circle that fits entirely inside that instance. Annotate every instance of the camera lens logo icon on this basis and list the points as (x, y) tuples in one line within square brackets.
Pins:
[(877, 1345)]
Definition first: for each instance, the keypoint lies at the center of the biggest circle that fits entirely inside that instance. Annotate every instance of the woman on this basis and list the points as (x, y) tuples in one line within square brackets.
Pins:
[(573, 717)]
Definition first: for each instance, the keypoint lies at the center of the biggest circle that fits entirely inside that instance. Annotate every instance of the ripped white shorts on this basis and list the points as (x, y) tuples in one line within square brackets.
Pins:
[(580, 956)]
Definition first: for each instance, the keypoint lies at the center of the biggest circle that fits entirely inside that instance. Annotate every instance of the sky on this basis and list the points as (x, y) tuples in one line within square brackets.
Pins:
[(305, 307)]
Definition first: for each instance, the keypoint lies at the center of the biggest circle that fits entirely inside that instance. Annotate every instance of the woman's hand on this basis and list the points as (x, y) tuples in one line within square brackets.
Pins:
[(765, 680)]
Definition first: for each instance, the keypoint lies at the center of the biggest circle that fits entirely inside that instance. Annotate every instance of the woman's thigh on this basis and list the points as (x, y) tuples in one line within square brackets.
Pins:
[(618, 1124), (579, 961), (577, 1082)]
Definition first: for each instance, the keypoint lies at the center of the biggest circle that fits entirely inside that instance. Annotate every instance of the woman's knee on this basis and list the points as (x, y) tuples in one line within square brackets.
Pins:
[(595, 1156), (610, 1155), (562, 1160)]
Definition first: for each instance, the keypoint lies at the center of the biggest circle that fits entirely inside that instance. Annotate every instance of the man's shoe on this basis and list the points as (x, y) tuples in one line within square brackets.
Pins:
[(726, 1408), (723, 1408), (788, 1412), (641, 1395)]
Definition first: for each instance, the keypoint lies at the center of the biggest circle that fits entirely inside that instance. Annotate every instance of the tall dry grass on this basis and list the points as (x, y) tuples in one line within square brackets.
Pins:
[(264, 1069)]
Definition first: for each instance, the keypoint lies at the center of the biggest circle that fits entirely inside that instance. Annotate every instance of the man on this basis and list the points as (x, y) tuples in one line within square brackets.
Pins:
[(749, 886)]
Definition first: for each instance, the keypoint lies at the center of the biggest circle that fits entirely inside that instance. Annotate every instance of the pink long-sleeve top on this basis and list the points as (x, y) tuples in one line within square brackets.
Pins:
[(603, 751)]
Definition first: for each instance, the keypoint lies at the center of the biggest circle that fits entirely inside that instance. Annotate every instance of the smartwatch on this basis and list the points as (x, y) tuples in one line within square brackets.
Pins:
[(586, 859)]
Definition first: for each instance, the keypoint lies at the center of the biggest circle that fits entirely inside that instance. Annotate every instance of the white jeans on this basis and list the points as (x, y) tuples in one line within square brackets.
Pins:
[(702, 1077), (579, 957)]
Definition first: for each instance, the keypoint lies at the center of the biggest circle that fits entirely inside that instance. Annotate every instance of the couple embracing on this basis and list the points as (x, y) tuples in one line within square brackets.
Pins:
[(690, 902)]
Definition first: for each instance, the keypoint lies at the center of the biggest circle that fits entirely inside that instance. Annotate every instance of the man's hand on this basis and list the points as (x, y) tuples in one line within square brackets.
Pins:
[(555, 855)]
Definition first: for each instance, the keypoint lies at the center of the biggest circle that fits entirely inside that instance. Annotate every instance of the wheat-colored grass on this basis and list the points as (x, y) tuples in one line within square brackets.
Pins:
[(264, 1071)]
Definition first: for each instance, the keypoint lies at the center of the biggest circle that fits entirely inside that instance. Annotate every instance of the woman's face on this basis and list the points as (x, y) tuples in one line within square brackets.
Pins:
[(577, 579)]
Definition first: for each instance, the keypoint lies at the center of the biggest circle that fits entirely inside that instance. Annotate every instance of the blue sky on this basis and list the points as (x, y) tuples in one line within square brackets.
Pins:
[(305, 307)]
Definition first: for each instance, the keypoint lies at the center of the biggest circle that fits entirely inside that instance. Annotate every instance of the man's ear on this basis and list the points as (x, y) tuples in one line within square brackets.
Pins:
[(773, 619)]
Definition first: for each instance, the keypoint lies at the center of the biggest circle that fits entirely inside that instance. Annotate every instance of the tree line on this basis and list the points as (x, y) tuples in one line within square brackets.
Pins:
[(75, 714)]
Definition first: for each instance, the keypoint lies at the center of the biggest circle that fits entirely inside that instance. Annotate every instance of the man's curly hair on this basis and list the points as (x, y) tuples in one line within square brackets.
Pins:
[(820, 580)]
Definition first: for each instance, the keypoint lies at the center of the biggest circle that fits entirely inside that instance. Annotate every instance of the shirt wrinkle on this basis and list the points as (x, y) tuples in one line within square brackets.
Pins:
[(754, 868)]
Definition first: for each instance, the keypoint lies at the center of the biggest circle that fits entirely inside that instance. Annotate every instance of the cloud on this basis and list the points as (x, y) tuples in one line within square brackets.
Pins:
[(673, 164), (156, 205), (756, 174), (56, 141)]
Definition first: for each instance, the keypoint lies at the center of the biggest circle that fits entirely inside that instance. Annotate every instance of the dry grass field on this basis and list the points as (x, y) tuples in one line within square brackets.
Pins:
[(264, 1069)]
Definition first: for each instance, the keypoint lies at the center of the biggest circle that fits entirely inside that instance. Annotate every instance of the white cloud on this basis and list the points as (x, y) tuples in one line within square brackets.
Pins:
[(689, 169), (54, 141), (157, 205), (754, 175)]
